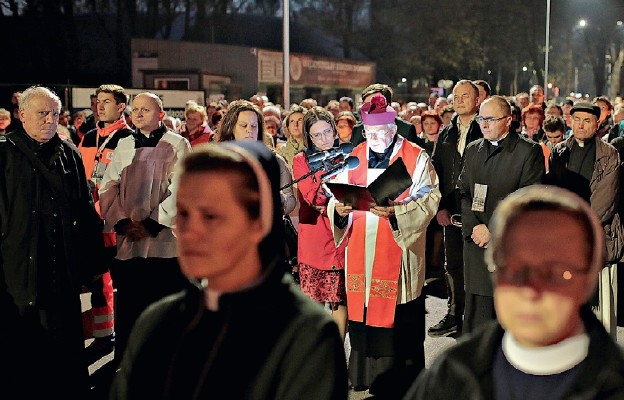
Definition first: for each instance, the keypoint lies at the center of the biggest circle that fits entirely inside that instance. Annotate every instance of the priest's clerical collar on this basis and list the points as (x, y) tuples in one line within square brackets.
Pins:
[(497, 141)]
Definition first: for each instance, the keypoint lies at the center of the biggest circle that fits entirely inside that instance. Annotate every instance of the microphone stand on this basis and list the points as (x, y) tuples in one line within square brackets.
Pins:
[(312, 172), (324, 165)]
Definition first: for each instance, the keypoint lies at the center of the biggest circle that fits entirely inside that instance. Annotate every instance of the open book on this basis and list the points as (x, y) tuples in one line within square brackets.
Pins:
[(388, 186)]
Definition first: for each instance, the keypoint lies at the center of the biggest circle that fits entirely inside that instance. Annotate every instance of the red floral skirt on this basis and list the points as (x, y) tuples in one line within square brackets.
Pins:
[(323, 285)]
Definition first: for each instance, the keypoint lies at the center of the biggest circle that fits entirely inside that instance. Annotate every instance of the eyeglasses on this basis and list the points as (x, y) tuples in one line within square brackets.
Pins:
[(548, 276), (490, 120), (376, 134), (319, 135)]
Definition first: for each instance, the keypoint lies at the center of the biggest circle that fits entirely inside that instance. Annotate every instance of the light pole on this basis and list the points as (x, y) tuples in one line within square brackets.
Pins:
[(286, 52), (582, 23), (547, 46)]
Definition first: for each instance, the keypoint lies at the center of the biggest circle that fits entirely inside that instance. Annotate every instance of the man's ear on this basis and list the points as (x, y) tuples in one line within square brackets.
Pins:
[(162, 115)]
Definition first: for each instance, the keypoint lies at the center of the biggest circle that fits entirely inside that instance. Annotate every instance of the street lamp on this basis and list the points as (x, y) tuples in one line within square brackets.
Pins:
[(582, 23)]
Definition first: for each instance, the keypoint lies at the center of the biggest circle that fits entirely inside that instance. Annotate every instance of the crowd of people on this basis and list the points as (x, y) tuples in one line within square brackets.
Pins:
[(177, 230)]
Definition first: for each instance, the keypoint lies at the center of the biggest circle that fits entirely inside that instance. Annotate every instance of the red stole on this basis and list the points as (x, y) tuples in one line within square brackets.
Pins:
[(387, 253)]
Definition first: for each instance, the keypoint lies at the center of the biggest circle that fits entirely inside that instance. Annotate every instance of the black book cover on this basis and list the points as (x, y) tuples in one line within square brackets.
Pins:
[(388, 186)]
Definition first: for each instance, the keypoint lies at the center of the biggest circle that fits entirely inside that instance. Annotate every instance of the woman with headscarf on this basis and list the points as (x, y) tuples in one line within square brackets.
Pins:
[(321, 263), (295, 142), (241, 329)]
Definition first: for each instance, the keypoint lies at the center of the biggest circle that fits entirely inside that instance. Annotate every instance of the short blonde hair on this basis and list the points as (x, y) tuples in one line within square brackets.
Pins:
[(196, 109)]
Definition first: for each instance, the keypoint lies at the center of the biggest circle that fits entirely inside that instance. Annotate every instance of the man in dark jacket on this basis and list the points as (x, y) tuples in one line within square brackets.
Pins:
[(404, 128), (496, 165), (51, 245), (448, 160), (546, 251), (590, 167)]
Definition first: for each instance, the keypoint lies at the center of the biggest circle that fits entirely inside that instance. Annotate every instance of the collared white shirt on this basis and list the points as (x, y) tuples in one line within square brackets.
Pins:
[(463, 134)]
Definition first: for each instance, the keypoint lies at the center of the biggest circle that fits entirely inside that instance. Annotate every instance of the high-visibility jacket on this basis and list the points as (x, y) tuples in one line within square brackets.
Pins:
[(98, 146)]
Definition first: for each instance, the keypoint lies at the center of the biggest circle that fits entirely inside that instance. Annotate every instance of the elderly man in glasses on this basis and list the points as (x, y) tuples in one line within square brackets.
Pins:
[(385, 257), (495, 165), (546, 252), (590, 167)]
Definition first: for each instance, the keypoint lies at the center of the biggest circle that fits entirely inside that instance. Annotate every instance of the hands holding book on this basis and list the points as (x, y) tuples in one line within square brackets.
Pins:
[(378, 197), (381, 211)]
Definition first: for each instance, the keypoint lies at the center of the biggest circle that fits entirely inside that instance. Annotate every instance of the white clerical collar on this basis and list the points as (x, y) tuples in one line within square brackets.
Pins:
[(211, 296), (549, 360), (495, 142)]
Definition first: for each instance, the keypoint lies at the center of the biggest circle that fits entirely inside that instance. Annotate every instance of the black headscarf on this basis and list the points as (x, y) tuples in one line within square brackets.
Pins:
[(271, 248)]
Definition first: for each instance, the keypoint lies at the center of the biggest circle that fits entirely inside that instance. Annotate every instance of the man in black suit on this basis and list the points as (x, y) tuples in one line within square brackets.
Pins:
[(498, 164), (404, 128), (448, 160)]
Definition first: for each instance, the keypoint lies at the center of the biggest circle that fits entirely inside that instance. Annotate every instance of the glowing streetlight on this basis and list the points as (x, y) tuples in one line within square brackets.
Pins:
[(582, 23)]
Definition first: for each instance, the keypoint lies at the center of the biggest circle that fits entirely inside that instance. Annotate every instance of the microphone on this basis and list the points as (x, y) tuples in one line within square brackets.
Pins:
[(349, 163), (344, 148)]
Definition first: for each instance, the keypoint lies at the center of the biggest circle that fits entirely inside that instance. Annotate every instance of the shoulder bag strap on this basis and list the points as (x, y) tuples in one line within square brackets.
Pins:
[(56, 189)]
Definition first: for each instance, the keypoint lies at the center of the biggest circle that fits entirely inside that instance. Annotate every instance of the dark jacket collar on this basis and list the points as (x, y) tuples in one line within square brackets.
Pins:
[(149, 141), (47, 152), (603, 368)]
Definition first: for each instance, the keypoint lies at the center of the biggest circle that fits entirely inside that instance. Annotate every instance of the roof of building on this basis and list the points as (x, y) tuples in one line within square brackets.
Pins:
[(266, 33)]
